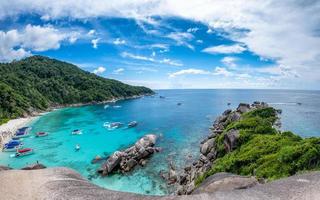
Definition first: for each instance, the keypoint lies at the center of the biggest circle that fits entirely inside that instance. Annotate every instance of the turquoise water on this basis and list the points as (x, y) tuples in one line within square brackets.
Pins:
[(180, 129)]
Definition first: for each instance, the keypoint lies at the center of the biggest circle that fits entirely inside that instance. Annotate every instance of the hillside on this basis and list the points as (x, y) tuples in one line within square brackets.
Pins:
[(37, 82)]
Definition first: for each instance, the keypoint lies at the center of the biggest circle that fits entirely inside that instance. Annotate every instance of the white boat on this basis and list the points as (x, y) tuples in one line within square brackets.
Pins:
[(24, 152), (113, 125), (76, 132), (132, 124), (77, 147)]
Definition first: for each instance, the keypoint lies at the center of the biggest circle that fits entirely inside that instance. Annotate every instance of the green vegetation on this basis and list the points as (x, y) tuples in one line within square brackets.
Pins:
[(37, 82), (263, 151)]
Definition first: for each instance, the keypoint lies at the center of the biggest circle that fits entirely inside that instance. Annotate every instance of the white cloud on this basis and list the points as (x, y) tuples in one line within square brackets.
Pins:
[(224, 49), (91, 32), (199, 41), (99, 70), (136, 57), (151, 59), (188, 71), (118, 41), (222, 71), (95, 43), (16, 44), (170, 62), (192, 30), (118, 71), (182, 38), (229, 61), (209, 31)]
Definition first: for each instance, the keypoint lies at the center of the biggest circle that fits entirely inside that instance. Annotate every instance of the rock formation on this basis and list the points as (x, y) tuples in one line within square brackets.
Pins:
[(126, 160), (208, 150)]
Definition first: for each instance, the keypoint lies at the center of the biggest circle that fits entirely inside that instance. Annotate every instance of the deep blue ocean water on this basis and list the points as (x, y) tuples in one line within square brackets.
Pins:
[(180, 130)]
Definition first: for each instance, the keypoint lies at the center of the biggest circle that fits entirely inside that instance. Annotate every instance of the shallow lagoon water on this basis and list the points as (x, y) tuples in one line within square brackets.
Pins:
[(180, 129)]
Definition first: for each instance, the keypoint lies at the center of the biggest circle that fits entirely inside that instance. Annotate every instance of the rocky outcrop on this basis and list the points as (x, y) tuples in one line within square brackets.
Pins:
[(225, 182), (126, 160), (2, 168), (34, 167), (208, 149), (64, 183), (230, 140)]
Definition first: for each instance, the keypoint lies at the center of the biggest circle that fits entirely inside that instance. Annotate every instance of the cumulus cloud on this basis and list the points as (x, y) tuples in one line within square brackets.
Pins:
[(16, 44), (118, 41), (225, 49), (118, 71), (188, 71), (95, 43), (99, 70)]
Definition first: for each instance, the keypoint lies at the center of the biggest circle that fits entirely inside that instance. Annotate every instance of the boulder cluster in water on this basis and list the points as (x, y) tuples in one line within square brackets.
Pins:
[(208, 150), (126, 160)]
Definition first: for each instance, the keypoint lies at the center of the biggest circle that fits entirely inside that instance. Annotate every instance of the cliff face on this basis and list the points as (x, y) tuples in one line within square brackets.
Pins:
[(64, 183)]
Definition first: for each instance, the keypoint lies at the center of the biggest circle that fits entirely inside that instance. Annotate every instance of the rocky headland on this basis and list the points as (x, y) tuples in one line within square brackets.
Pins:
[(246, 141)]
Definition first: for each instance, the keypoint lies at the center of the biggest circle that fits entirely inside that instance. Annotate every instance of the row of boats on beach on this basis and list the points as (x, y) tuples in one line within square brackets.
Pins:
[(15, 144)]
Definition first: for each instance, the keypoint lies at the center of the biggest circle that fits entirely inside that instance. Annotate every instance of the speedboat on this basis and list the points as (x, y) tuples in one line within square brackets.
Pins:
[(22, 132), (41, 134), (13, 145), (76, 132), (77, 147), (24, 152), (132, 124), (116, 125), (113, 125)]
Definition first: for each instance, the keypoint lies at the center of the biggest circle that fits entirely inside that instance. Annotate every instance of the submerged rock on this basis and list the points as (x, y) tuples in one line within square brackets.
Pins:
[(126, 160)]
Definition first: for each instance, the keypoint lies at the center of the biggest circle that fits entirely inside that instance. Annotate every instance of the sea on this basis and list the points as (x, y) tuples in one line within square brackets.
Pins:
[(180, 120)]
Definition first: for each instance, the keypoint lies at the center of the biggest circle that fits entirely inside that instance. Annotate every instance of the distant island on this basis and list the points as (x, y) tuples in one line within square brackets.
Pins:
[(37, 83)]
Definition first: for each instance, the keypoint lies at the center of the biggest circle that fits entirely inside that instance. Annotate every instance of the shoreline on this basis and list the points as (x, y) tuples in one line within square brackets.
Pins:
[(8, 129)]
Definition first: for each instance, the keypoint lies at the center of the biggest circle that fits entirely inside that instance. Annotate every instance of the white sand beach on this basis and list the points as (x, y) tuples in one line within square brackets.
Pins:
[(9, 128)]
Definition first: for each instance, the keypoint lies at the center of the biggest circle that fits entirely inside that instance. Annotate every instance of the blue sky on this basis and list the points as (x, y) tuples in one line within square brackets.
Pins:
[(172, 44)]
